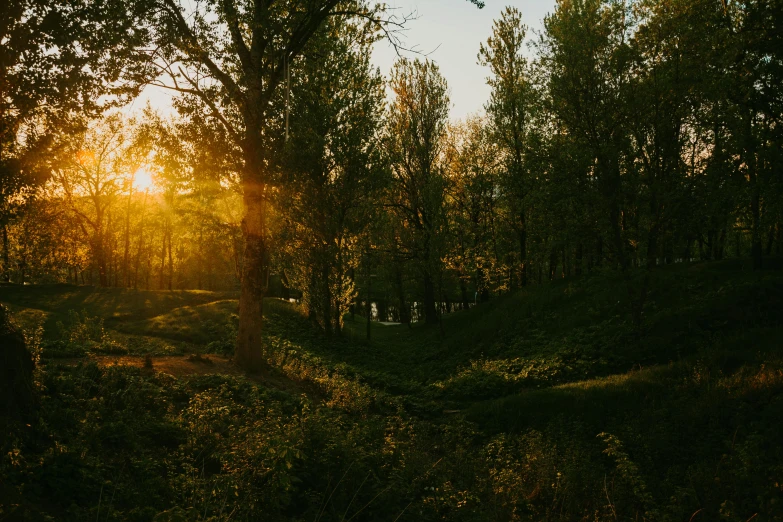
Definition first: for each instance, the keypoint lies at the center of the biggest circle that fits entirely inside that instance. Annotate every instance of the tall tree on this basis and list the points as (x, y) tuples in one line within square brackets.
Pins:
[(233, 57), (333, 167), (509, 108), (586, 57), (415, 140)]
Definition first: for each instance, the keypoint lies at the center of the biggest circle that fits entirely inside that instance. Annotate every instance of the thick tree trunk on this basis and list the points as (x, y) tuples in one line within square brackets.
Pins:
[(255, 271)]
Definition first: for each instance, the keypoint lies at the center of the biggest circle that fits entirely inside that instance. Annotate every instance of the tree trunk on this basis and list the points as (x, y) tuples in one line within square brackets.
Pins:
[(368, 305), (255, 271), (200, 256), (430, 313), (770, 240), (162, 272), (523, 250), (125, 257), (405, 317), (326, 296), (652, 246), (171, 261), (719, 244), (755, 196), (6, 265)]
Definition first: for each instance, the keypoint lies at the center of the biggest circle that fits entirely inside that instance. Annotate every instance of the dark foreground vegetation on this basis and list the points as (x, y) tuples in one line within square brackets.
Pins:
[(551, 403)]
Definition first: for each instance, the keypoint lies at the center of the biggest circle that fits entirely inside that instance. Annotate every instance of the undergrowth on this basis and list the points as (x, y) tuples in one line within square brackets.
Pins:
[(543, 405)]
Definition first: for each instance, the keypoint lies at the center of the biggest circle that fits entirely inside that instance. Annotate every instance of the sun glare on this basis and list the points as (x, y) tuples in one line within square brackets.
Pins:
[(142, 180)]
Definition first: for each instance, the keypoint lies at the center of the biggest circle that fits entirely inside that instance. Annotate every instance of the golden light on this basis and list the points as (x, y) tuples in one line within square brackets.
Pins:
[(85, 157), (143, 180)]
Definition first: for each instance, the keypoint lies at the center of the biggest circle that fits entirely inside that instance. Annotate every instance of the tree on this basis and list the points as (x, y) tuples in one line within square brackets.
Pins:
[(473, 169), (509, 109), (92, 178), (334, 169), (62, 61), (415, 140)]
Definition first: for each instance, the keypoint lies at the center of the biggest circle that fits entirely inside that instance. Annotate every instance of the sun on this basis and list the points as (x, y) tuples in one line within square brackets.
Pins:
[(142, 180)]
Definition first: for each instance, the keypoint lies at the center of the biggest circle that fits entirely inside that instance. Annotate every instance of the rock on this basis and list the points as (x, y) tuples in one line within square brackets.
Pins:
[(16, 370)]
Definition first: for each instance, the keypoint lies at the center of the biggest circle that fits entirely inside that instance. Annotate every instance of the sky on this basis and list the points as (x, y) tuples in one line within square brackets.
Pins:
[(448, 32)]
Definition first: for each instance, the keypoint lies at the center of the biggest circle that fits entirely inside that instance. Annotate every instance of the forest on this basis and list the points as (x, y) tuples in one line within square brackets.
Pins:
[(306, 291)]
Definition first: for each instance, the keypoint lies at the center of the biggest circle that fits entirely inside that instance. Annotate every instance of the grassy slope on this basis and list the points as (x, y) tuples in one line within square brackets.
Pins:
[(147, 321), (694, 394)]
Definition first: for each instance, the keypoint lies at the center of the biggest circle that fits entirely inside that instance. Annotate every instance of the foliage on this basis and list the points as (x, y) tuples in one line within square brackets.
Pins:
[(80, 335), (512, 434)]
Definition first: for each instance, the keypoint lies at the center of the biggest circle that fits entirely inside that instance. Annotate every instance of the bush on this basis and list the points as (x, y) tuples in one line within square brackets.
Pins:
[(80, 335)]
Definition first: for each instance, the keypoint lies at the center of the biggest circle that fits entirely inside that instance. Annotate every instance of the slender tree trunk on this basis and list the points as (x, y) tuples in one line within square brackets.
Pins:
[(141, 242), (100, 258), (719, 244), (6, 263), (652, 246), (578, 260), (200, 256), (405, 317), (125, 257), (430, 312), (770, 240), (463, 288), (286, 290), (171, 261), (523, 249), (564, 270), (326, 295), (756, 250), (162, 271), (368, 305)]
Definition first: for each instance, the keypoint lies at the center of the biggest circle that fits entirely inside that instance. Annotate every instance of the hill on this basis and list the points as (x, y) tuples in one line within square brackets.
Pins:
[(551, 403)]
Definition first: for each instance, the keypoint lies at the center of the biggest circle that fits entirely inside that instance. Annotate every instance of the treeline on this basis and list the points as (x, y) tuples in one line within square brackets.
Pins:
[(103, 218), (632, 135)]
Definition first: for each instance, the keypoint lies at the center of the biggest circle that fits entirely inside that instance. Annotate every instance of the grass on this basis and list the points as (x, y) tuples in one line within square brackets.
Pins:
[(545, 404)]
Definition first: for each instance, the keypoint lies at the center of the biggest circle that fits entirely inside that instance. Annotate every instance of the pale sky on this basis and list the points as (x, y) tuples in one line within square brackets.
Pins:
[(448, 32)]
